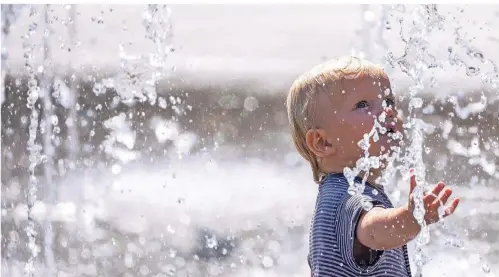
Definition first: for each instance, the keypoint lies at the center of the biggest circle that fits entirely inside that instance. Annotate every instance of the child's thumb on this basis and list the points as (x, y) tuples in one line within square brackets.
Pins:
[(413, 180)]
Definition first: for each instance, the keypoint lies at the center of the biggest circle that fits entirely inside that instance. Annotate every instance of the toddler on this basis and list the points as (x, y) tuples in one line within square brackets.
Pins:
[(330, 108)]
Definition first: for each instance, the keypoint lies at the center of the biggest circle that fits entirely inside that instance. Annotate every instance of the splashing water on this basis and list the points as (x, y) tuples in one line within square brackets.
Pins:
[(223, 218), (416, 62), (9, 15), (71, 94), (50, 121), (366, 163), (427, 19), (33, 148), (139, 74)]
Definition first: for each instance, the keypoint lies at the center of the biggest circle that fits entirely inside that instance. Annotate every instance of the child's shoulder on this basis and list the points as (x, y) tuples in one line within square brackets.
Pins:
[(334, 192), (336, 184)]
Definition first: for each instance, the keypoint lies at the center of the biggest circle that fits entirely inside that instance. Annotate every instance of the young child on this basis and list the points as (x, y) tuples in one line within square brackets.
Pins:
[(330, 108)]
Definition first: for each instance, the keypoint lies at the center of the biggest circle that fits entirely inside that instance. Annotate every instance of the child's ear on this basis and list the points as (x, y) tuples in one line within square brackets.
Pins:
[(316, 140)]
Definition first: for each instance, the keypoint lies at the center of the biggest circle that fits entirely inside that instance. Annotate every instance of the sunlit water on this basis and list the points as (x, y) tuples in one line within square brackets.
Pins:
[(213, 215), (198, 182)]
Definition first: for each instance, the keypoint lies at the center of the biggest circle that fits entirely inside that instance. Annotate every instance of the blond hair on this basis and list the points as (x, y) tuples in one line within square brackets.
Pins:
[(326, 77)]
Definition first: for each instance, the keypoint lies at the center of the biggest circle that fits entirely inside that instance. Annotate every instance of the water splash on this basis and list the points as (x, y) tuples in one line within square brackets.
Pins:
[(416, 61), (139, 75), (264, 258), (374, 26), (33, 148), (367, 163), (50, 121), (71, 121), (475, 54), (156, 21), (10, 13)]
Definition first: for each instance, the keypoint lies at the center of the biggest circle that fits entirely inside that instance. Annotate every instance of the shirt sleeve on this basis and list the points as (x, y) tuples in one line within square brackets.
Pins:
[(346, 225)]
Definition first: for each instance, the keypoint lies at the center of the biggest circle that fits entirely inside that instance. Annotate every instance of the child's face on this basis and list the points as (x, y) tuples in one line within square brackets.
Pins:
[(352, 113)]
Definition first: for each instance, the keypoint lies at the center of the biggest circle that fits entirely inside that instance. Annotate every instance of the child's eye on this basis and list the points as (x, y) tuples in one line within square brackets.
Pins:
[(362, 104)]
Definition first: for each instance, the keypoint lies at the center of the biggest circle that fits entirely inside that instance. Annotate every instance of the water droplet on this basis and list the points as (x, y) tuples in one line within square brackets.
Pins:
[(441, 212), (116, 169), (352, 191), (416, 103), (472, 71), (267, 262), (211, 242), (144, 270), (172, 253), (54, 119), (170, 229), (486, 268), (162, 102), (388, 26), (250, 103), (367, 205)]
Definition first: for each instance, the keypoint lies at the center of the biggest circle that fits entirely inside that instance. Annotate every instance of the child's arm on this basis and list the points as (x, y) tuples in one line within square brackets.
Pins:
[(383, 229)]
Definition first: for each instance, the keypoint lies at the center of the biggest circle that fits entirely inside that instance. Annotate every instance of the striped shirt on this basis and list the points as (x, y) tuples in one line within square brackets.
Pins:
[(333, 231)]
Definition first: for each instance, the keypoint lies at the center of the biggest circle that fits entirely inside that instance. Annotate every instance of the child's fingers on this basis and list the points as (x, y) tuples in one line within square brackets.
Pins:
[(431, 198), (438, 188), (444, 197), (452, 207)]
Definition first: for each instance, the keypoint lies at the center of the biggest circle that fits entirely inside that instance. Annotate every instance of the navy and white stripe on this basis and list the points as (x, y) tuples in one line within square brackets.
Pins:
[(333, 231)]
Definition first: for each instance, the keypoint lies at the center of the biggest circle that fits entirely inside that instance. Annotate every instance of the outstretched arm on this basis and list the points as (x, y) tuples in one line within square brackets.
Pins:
[(392, 228)]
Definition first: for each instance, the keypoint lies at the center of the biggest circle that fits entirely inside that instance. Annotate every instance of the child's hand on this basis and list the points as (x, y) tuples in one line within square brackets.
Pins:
[(433, 201)]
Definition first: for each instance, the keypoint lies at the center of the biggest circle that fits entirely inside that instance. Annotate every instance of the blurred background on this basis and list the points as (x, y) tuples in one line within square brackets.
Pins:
[(152, 140)]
